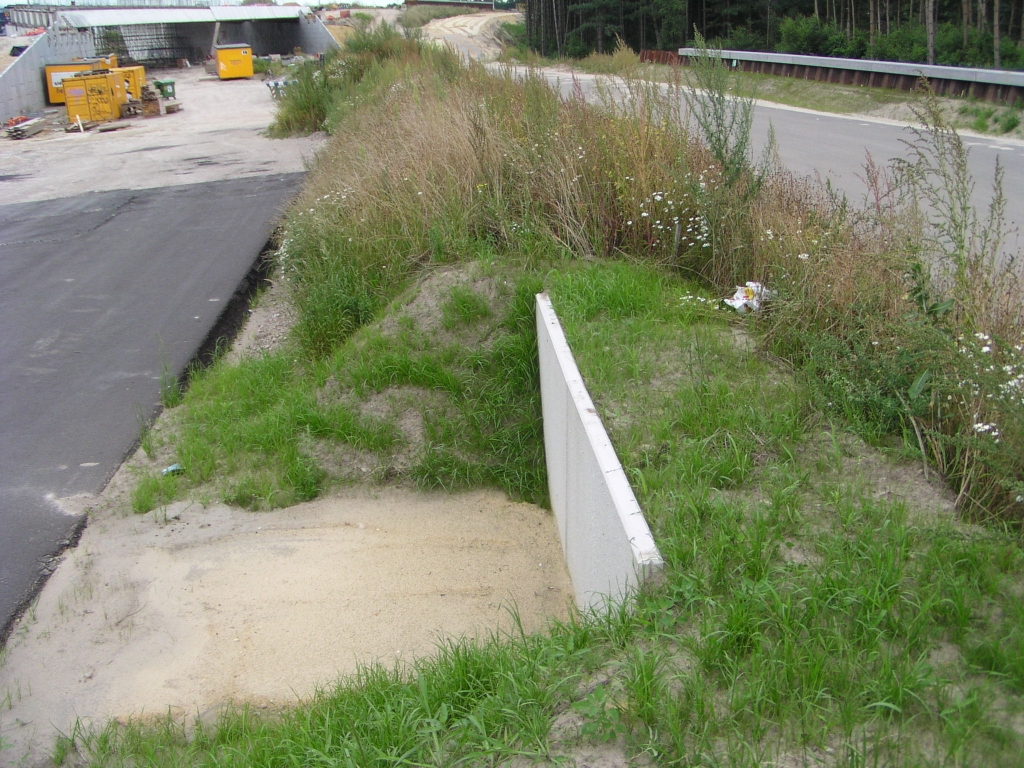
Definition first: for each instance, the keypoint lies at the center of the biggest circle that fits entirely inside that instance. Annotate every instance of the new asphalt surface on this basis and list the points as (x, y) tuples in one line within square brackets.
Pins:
[(835, 148), (100, 296)]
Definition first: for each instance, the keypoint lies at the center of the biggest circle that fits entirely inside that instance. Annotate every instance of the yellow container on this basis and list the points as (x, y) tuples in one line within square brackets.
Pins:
[(133, 77), (234, 61), (57, 73), (97, 97)]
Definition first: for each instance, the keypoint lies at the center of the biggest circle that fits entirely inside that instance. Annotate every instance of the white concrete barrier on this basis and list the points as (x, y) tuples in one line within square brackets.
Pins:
[(606, 540), (23, 84)]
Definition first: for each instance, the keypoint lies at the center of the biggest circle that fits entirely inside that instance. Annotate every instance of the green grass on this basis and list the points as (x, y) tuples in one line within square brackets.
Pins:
[(153, 490), (818, 603), (799, 609), (806, 94), (255, 430), (464, 307)]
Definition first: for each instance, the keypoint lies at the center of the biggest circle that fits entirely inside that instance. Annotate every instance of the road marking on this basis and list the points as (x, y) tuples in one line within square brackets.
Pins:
[(89, 464)]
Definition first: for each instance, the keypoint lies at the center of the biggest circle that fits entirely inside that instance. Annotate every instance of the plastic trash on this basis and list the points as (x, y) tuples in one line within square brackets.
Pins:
[(749, 298), (174, 469)]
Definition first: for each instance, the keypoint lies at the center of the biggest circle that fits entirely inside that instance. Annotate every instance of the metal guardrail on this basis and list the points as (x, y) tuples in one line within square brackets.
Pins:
[(987, 84)]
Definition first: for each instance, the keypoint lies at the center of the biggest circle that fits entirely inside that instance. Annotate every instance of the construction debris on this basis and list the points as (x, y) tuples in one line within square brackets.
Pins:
[(80, 126), (150, 102), (26, 128)]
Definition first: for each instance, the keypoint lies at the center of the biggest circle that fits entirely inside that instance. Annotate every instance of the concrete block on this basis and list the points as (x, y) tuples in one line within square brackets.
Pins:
[(23, 84), (608, 545)]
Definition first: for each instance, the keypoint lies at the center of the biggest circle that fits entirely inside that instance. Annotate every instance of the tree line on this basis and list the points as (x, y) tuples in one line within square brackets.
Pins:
[(957, 32)]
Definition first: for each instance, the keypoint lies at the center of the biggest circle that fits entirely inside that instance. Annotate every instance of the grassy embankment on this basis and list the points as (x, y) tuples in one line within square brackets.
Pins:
[(961, 113), (813, 608)]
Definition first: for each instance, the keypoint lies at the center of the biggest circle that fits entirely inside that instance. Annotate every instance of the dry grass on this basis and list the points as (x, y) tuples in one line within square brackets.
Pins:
[(874, 302)]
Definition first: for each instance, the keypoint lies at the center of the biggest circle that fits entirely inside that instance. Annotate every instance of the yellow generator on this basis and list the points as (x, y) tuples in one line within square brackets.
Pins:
[(234, 61), (57, 73), (133, 77), (97, 97)]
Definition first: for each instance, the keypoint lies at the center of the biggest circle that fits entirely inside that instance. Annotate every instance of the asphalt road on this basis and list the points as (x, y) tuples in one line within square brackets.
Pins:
[(99, 295), (835, 147)]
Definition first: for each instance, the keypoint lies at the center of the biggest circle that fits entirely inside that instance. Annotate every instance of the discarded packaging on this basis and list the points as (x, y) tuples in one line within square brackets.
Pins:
[(174, 469), (749, 298)]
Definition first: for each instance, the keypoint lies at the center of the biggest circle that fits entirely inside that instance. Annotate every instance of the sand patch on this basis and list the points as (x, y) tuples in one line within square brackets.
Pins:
[(189, 607)]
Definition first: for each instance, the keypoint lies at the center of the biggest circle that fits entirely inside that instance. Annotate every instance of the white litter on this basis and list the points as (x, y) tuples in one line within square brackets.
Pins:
[(749, 298)]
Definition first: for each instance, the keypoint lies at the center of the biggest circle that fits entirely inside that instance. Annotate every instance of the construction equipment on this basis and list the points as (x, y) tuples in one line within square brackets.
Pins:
[(233, 61), (134, 79), (97, 97), (56, 73)]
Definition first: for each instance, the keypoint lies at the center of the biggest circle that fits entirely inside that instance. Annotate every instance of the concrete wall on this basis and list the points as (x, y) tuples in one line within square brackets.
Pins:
[(22, 85), (279, 36), (607, 544), (314, 37), (31, 18), (197, 37)]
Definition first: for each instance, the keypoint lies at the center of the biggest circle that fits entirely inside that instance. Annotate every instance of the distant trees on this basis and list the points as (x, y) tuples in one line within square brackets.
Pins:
[(966, 32)]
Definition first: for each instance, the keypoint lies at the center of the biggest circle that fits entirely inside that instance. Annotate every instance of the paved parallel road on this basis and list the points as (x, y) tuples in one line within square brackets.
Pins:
[(834, 147), (99, 294)]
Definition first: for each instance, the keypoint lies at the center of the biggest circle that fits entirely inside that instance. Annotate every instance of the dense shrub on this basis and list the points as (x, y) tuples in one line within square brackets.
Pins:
[(809, 36)]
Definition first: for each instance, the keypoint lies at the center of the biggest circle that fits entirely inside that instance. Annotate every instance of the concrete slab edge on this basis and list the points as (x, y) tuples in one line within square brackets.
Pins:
[(607, 542)]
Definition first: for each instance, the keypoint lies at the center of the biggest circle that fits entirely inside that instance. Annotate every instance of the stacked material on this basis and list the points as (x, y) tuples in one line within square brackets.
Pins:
[(150, 102), (27, 128), (80, 126)]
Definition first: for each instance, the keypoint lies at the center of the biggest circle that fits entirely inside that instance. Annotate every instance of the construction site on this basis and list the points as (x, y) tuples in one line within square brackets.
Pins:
[(83, 68)]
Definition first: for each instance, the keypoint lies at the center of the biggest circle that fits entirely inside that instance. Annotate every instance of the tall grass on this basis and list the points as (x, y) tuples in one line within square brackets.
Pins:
[(907, 329)]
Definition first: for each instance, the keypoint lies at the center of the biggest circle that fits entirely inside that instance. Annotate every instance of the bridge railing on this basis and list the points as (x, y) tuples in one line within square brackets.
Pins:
[(986, 84)]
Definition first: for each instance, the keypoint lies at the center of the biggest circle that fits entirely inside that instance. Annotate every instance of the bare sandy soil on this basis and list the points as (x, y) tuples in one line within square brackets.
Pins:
[(188, 608), (473, 34), (195, 606), (6, 42)]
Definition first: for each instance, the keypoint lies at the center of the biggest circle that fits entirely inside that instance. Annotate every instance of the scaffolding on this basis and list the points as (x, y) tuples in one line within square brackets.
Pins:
[(153, 45)]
